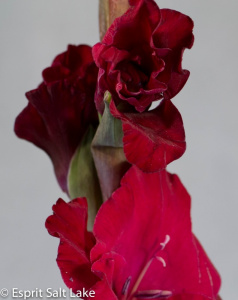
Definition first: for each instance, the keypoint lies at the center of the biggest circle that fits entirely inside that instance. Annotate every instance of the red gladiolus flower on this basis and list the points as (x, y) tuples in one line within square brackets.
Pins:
[(142, 247), (61, 109), (140, 57)]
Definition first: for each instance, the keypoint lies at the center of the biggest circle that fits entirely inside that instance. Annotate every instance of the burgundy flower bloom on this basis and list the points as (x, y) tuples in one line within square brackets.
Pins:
[(61, 109), (142, 247), (140, 57)]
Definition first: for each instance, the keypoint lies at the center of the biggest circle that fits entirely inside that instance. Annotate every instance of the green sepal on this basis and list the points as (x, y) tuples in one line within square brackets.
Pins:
[(108, 153), (82, 177), (109, 132)]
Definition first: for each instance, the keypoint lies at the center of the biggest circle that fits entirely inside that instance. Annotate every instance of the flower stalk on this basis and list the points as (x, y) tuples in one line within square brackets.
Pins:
[(109, 10)]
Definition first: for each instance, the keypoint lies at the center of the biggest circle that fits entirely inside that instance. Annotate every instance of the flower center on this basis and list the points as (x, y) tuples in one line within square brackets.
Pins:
[(133, 76)]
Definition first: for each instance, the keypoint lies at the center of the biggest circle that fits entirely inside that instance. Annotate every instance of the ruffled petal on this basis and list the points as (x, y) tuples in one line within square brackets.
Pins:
[(105, 268), (146, 44), (70, 64), (174, 32), (61, 109), (56, 119), (129, 29), (69, 223), (152, 139), (126, 33)]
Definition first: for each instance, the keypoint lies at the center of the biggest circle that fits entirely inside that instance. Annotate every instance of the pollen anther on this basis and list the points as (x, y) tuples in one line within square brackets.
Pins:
[(167, 239), (126, 286), (161, 260)]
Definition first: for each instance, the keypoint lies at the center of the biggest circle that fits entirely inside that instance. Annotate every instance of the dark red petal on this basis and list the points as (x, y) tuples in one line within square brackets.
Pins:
[(103, 291), (152, 139), (147, 223), (61, 109), (105, 268), (191, 297), (207, 269), (135, 26), (174, 32), (126, 33), (71, 63), (69, 223), (56, 119)]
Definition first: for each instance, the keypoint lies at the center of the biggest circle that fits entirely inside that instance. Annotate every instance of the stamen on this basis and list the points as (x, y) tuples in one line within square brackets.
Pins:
[(126, 286), (141, 276), (153, 294), (161, 260), (167, 239)]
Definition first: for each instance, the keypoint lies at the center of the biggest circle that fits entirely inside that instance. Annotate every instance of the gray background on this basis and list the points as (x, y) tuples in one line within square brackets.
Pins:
[(31, 34)]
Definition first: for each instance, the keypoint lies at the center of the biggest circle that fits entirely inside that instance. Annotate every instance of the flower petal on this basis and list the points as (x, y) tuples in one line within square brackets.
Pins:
[(174, 32), (147, 223), (140, 57), (70, 64), (69, 223), (126, 33), (152, 139), (105, 268), (190, 297), (61, 109), (130, 25), (56, 119)]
